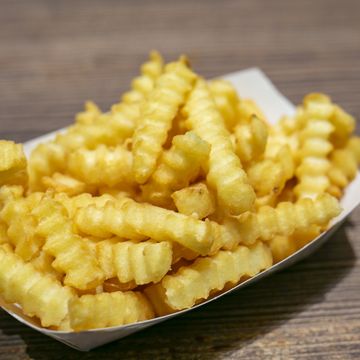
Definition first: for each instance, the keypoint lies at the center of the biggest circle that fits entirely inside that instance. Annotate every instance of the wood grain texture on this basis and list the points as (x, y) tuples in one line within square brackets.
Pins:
[(56, 54)]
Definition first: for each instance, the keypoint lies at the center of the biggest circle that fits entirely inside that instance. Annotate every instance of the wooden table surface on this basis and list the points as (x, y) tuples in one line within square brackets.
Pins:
[(56, 54)]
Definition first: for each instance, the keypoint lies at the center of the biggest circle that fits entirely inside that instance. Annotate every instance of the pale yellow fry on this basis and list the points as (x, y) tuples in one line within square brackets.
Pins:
[(110, 129), (195, 200), (156, 117), (197, 281), (314, 164), (43, 263), (105, 221), (269, 175), (72, 204), (22, 225), (187, 156), (45, 159), (344, 125), (72, 255), (102, 166), (226, 100), (90, 114), (143, 84), (161, 224), (12, 164), (108, 309), (288, 217), (282, 247), (344, 163), (38, 294), (225, 173), (250, 139), (143, 262), (248, 108), (61, 183)]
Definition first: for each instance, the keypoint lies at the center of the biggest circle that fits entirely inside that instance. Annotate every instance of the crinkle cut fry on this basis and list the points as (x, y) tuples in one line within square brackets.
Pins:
[(160, 224), (102, 166), (288, 217), (105, 221), (225, 172), (140, 263), (195, 282), (131, 220), (143, 84), (250, 139), (315, 147), (38, 294), (109, 309), (157, 114), (72, 254), (21, 224), (12, 164), (186, 156)]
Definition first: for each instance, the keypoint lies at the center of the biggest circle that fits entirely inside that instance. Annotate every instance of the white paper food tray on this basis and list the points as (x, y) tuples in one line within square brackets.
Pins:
[(250, 83)]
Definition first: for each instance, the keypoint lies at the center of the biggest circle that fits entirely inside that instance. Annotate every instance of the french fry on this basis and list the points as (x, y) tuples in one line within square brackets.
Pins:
[(45, 159), (157, 115), (250, 139), (90, 115), (195, 282), (72, 204), (269, 175), (143, 262), (61, 183), (108, 309), (288, 217), (186, 157), (12, 164), (248, 108), (37, 294), (225, 172), (21, 224), (344, 164), (161, 224), (315, 146), (226, 100), (143, 84), (72, 255), (195, 200), (102, 166), (106, 221)]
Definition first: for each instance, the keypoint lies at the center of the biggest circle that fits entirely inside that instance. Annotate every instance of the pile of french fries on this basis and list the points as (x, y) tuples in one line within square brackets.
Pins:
[(182, 190)]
